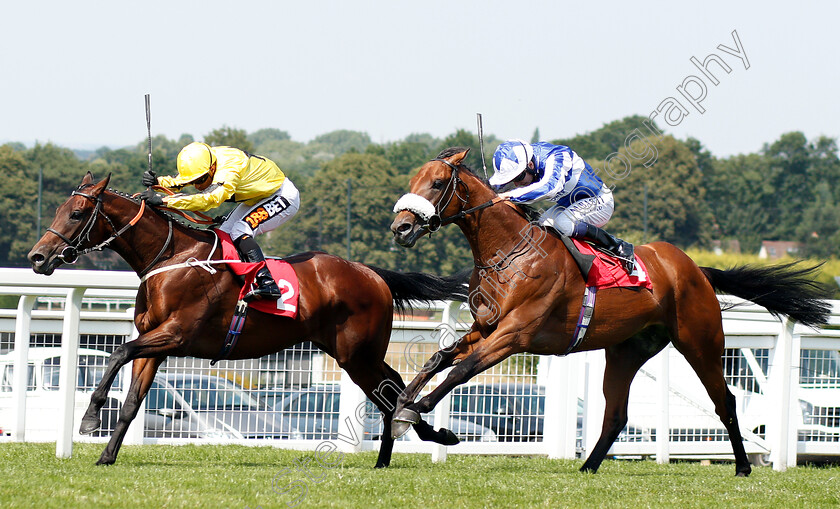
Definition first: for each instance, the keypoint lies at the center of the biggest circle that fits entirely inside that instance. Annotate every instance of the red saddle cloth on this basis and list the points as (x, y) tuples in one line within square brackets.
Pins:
[(283, 274), (607, 272)]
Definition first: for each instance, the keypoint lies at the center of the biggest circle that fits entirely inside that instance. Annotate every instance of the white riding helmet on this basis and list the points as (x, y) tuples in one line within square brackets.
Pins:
[(509, 160)]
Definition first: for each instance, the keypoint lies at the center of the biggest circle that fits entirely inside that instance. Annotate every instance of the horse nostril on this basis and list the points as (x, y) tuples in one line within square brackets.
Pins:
[(403, 228)]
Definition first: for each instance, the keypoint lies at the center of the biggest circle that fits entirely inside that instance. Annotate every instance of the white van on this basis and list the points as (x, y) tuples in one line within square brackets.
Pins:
[(42, 397)]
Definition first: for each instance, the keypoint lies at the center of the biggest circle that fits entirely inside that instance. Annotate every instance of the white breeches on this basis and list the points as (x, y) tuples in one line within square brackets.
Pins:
[(266, 215), (595, 211)]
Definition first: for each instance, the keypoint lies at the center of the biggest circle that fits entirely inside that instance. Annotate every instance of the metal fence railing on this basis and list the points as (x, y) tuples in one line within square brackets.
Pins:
[(786, 380)]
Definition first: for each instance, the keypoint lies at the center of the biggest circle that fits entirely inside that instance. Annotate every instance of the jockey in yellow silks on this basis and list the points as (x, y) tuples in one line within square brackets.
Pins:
[(266, 198)]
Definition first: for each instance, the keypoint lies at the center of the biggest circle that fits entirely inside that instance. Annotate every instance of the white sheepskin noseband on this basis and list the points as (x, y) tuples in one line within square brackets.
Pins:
[(417, 204)]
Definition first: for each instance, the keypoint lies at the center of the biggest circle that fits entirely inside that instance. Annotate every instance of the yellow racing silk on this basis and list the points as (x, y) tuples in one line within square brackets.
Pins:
[(239, 177)]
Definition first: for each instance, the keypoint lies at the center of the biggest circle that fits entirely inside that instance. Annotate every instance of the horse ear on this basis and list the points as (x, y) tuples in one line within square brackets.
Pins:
[(87, 179), (101, 185), (457, 158)]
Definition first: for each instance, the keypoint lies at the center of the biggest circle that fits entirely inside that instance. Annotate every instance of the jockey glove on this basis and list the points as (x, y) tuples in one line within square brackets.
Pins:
[(149, 178), (152, 198)]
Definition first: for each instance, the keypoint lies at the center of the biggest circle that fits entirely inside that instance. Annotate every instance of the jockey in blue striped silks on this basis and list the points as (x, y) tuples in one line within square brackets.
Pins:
[(582, 203)]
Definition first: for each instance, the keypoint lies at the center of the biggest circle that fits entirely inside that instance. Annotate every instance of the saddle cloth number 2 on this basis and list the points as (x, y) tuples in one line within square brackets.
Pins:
[(288, 291)]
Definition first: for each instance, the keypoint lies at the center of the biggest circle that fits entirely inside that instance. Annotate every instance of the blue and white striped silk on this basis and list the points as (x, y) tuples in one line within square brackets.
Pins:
[(563, 177)]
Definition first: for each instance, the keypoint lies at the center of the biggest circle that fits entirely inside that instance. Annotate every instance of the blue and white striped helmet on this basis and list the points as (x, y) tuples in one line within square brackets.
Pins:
[(509, 160)]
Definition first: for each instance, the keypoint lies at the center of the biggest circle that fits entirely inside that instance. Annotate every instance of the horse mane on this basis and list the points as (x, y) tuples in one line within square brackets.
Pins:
[(166, 214), (532, 214)]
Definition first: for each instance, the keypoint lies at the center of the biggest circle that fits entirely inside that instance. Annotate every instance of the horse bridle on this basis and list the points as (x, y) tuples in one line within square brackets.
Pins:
[(71, 253), (435, 222)]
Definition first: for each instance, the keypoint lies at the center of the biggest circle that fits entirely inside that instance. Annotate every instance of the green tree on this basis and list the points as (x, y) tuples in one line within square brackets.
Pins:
[(322, 221), (18, 197), (818, 229), (406, 156), (676, 210), (262, 136), (229, 136), (609, 138), (741, 199), (343, 140)]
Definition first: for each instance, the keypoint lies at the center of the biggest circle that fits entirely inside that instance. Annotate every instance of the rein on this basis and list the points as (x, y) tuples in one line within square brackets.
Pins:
[(71, 253), (203, 219), (436, 222)]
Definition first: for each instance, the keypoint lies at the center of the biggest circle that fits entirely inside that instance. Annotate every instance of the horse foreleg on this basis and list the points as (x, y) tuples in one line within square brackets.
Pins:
[(119, 358), (152, 344), (440, 360), (142, 376), (424, 431), (485, 355)]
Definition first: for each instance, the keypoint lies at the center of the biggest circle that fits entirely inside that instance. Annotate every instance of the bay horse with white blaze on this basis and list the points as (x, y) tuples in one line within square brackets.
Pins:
[(531, 303), (345, 308)]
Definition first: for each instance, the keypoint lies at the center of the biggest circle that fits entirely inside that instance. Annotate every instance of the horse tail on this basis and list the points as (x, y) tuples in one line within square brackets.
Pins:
[(424, 287), (783, 289)]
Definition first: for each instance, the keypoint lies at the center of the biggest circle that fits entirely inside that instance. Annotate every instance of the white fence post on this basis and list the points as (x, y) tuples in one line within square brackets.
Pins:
[(780, 374), (663, 428), (134, 434), (560, 425), (794, 411), (594, 405), (447, 337), (350, 425), (67, 372), (441, 421), (23, 323)]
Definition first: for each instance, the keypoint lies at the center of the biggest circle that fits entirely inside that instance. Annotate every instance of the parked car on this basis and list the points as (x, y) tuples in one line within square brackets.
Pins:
[(271, 396), (204, 406), (514, 411), (312, 413), (42, 398)]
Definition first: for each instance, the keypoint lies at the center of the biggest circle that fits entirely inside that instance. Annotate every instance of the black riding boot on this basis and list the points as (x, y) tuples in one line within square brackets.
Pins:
[(266, 288), (621, 249)]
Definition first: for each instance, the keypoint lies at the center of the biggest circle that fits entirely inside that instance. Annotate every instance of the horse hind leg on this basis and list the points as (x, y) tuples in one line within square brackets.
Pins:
[(704, 353), (142, 376), (623, 362)]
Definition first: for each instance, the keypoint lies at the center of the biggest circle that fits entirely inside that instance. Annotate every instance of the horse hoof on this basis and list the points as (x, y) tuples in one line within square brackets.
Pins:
[(105, 461), (89, 425), (450, 438), (402, 421)]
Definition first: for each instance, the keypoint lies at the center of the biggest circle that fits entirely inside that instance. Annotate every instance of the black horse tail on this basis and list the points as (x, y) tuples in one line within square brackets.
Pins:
[(424, 287), (785, 289)]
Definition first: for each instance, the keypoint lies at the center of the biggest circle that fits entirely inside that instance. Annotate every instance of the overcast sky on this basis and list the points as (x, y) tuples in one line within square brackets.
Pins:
[(75, 73)]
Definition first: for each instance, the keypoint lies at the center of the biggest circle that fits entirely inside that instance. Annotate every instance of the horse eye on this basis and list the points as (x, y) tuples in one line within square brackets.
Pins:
[(437, 184), (76, 215)]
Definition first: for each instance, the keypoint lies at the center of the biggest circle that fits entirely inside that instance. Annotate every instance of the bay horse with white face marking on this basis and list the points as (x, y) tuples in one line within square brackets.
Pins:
[(345, 308), (533, 304)]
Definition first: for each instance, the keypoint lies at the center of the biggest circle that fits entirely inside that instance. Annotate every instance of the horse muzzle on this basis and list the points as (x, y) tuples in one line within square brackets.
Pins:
[(406, 232), (47, 263)]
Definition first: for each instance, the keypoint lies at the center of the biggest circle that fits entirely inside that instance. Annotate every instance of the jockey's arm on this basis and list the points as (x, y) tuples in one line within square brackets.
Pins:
[(169, 183), (223, 187), (551, 183)]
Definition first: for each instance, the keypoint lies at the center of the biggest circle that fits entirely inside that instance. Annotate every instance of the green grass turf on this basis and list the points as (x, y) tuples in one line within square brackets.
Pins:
[(239, 477)]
